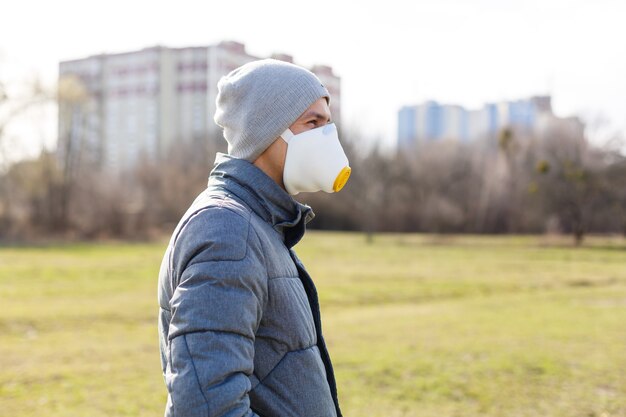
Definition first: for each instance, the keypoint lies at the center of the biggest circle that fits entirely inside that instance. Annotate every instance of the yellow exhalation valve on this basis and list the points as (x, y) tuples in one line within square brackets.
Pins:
[(342, 178)]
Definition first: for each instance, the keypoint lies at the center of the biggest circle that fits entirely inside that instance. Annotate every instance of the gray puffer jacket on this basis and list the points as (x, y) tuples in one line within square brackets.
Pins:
[(239, 322)]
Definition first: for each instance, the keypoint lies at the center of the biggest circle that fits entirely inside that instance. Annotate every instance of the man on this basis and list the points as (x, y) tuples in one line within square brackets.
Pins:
[(239, 323)]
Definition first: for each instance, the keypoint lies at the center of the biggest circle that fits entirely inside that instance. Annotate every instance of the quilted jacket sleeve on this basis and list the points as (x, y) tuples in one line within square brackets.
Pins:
[(220, 288)]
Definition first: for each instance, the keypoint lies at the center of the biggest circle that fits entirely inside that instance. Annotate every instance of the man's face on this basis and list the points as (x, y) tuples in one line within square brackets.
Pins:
[(318, 114), (272, 161)]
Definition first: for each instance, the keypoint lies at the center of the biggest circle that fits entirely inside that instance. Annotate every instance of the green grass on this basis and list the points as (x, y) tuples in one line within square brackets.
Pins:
[(417, 325)]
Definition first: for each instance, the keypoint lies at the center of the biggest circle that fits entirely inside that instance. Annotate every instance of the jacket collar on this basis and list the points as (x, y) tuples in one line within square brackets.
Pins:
[(263, 195)]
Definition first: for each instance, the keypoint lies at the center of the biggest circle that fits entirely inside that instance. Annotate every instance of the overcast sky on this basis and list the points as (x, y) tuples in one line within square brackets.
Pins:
[(388, 53)]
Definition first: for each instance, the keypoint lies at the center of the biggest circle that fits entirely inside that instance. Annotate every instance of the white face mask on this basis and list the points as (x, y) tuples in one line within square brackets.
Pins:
[(315, 161)]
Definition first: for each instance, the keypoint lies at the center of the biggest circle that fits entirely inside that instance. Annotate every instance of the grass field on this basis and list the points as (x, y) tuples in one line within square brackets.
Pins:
[(417, 325)]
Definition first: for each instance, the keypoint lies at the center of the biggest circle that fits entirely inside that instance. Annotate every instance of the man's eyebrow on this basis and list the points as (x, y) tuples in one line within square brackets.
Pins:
[(315, 114)]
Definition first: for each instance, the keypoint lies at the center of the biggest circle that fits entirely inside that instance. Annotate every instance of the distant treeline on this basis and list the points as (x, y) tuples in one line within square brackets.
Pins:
[(509, 183)]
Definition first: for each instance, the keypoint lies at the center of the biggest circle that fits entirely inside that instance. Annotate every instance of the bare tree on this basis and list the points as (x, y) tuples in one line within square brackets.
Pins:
[(73, 98), (13, 104), (570, 180)]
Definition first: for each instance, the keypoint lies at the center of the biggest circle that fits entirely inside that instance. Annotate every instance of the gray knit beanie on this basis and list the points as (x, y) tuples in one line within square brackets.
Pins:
[(256, 102)]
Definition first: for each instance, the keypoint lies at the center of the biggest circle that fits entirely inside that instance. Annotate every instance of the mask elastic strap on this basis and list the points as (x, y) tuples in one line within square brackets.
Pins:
[(287, 135)]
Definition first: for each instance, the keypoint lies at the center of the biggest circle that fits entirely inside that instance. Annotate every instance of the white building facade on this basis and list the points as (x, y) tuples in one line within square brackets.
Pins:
[(141, 103)]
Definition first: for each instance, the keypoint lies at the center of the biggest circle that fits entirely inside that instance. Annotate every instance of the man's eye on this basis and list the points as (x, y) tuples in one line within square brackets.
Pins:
[(312, 121)]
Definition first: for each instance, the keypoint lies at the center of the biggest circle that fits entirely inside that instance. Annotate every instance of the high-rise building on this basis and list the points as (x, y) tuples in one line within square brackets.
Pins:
[(143, 102), (432, 121)]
